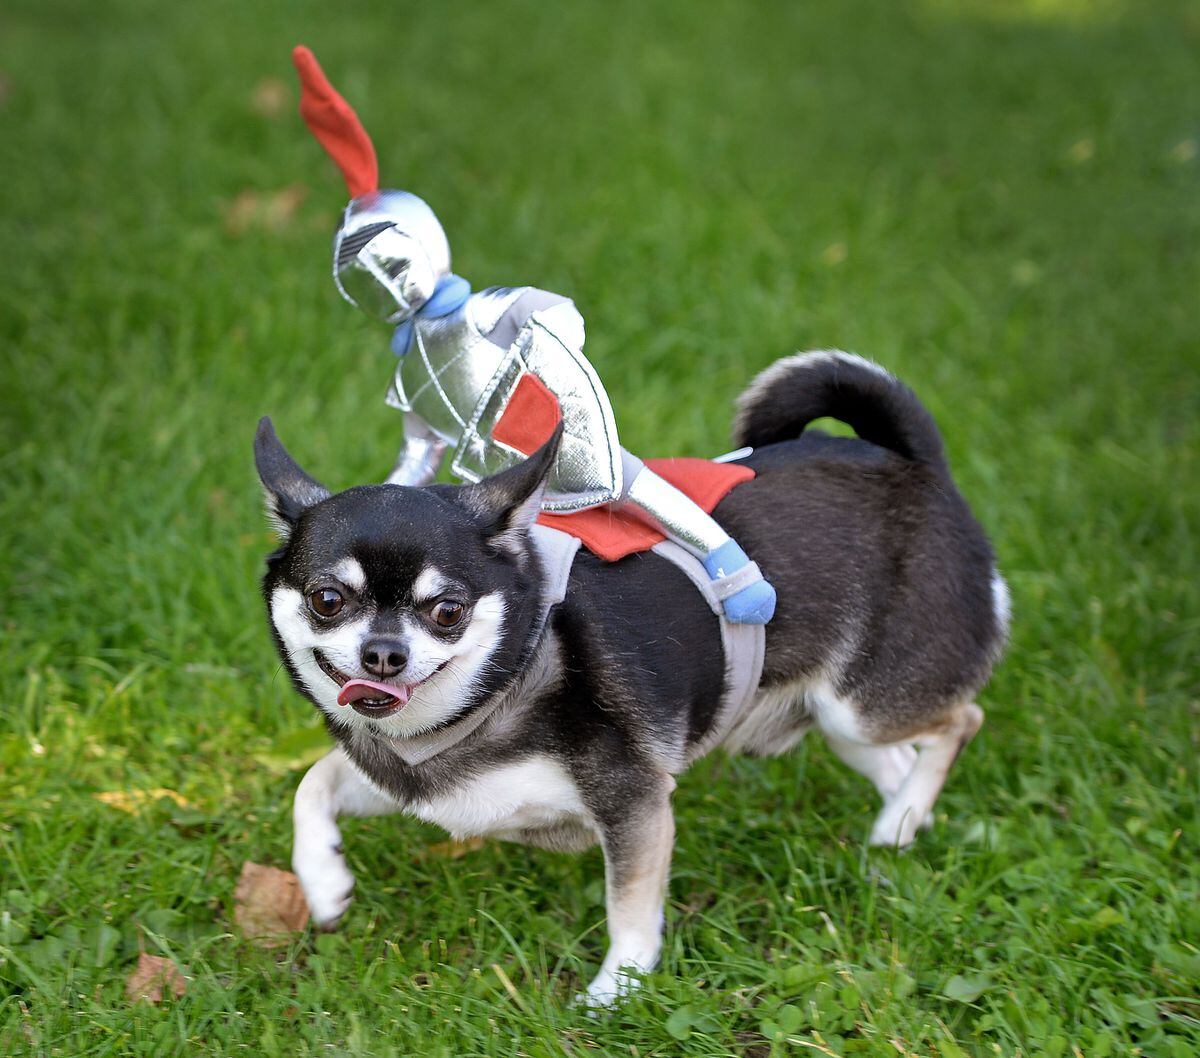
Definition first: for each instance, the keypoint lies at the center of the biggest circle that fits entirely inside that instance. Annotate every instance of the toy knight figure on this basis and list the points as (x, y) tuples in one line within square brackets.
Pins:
[(487, 375)]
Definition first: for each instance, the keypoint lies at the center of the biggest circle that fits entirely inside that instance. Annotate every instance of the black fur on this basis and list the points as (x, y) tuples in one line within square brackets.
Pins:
[(881, 409), (873, 545), (291, 491)]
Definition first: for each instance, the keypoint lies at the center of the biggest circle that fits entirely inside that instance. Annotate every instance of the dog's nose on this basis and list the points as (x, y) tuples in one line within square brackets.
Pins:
[(384, 657)]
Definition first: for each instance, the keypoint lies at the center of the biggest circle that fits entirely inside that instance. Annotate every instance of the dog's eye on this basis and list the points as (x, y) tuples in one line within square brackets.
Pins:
[(325, 602), (447, 614)]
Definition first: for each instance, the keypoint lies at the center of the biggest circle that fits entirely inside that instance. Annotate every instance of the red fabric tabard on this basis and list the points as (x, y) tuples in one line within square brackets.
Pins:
[(611, 534), (529, 417)]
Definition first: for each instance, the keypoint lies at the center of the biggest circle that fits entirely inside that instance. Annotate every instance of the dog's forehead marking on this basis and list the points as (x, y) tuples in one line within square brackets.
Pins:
[(430, 582), (350, 572)]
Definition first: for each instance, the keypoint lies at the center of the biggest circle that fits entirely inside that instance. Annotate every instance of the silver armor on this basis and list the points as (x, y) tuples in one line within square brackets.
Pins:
[(388, 254), (460, 370)]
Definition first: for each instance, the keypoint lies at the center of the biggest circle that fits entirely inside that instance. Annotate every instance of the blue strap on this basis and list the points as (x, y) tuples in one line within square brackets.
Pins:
[(449, 296), (402, 338)]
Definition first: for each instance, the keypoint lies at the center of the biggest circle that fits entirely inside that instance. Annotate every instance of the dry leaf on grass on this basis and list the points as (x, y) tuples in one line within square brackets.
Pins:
[(133, 801), (270, 97), (152, 977), (268, 904), (266, 210), (452, 850)]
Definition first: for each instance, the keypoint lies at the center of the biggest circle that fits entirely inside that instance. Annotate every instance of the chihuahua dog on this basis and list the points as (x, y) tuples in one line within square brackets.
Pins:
[(414, 617)]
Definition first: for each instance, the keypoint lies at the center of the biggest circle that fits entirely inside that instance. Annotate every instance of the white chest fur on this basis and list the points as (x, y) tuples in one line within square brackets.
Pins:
[(531, 794)]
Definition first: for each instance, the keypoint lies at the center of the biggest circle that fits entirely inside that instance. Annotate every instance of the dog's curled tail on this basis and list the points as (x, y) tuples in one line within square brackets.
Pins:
[(794, 391)]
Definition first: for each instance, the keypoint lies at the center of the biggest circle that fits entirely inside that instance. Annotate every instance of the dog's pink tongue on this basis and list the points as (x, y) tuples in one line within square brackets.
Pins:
[(353, 690)]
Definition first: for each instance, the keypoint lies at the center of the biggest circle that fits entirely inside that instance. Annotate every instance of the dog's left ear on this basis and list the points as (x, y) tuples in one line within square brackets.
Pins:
[(508, 504), (290, 491)]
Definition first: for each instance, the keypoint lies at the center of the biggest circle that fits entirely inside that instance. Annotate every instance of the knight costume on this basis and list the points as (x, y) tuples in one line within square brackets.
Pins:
[(485, 376)]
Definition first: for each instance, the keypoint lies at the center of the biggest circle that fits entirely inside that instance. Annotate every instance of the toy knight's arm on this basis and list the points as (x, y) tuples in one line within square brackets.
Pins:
[(745, 596), (420, 456), (664, 506)]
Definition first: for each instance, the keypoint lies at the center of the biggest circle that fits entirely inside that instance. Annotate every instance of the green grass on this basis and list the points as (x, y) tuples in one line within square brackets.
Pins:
[(999, 201)]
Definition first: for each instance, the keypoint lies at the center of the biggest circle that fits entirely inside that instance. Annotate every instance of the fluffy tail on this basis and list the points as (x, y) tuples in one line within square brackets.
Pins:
[(794, 391)]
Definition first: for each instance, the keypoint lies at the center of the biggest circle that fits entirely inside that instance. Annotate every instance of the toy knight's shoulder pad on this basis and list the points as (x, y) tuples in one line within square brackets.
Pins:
[(564, 321), (487, 307)]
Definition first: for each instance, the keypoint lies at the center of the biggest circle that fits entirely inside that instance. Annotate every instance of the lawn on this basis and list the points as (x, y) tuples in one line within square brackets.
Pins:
[(998, 201)]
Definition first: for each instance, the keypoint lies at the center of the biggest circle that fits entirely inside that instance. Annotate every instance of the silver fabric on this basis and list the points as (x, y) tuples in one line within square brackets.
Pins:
[(730, 457), (388, 254), (390, 278), (508, 325), (446, 370), (664, 506), (461, 369), (420, 457), (459, 382)]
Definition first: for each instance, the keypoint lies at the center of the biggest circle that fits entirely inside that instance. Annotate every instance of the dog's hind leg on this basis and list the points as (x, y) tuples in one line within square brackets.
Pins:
[(904, 811), (330, 788), (637, 861), (886, 766)]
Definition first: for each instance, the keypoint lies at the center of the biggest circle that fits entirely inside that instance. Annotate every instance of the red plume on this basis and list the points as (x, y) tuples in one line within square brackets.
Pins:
[(333, 121)]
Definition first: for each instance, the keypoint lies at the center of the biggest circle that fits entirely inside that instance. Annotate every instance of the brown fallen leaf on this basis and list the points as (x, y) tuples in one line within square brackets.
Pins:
[(268, 904), (453, 850), (133, 801), (151, 977), (269, 97), (263, 211)]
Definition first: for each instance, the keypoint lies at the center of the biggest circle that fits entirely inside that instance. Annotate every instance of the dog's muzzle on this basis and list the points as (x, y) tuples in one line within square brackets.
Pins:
[(371, 697)]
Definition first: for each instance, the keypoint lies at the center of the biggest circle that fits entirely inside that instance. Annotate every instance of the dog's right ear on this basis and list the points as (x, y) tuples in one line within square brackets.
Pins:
[(508, 503), (290, 491)]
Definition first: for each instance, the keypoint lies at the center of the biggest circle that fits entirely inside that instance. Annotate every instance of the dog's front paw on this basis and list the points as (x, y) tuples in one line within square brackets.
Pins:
[(606, 989), (620, 973), (327, 883)]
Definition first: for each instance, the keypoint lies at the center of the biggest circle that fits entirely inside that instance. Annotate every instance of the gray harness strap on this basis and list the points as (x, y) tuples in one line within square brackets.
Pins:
[(744, 646), (557, 551)]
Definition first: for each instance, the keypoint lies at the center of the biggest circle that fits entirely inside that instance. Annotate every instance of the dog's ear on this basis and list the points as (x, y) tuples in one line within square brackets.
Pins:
[(508, 504), (289, 490)]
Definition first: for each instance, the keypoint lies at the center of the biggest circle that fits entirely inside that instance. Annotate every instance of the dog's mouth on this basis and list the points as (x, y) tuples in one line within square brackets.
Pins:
[(369, 697)]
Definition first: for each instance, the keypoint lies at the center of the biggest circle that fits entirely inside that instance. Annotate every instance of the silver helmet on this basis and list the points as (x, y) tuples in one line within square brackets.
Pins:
[(389, 251), (388, 254)]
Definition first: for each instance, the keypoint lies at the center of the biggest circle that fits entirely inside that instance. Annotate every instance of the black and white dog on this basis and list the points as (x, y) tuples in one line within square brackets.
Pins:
[(419, 608)]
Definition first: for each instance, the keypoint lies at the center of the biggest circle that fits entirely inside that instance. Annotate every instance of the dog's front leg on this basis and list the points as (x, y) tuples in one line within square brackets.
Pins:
[(332, 787), (637, 844)]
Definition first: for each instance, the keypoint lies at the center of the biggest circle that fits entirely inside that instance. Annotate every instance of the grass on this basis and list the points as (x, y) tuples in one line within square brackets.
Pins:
[(999, 201)]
